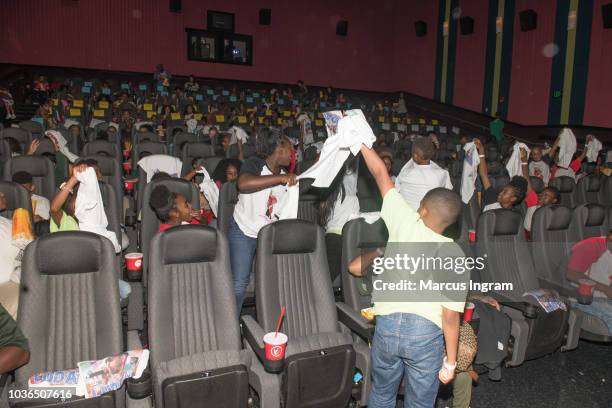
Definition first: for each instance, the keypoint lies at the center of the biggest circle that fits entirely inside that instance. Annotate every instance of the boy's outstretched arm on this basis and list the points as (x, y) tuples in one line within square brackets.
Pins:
[(378, 170)]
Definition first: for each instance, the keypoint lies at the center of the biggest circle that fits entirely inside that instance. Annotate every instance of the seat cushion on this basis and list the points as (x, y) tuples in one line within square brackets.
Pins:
[(316, 341), (195, 363)]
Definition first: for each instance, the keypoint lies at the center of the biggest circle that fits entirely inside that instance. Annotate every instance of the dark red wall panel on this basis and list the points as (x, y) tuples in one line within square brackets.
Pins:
[(531, 64), (135, 35), (414, 64), (470, 57), (598, 106)]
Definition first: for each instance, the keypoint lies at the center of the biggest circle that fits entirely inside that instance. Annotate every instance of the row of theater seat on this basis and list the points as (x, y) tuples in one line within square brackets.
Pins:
[(192, 318), (192, 326)]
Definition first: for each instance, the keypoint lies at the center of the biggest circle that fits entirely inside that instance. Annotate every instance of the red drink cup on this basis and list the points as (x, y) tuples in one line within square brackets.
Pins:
[(469, 311), (127, 166), (133, 261), (586, 287), (275, 345), (472, 235), (129, 185), (126, 153)]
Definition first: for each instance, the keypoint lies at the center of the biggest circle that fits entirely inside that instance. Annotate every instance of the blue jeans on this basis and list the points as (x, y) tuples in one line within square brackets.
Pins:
[(409, 346), (242, 250), (601, 308)]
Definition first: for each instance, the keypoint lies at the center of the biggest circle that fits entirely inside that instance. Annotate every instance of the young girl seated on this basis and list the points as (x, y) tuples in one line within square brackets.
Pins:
[(172, 209), (68, 214)]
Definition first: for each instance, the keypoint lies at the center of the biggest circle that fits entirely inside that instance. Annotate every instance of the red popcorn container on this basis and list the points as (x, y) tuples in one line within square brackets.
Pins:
[(275, 345), (133, 261)]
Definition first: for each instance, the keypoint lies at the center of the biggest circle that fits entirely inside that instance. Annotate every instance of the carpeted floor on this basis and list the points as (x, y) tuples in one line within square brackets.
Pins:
[(581, 378)]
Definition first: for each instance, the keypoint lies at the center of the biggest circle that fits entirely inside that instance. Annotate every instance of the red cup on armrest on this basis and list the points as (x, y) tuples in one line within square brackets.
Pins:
[(472, 235), (469, 311), (275, 346), (586, 287), (127, 166), (133, 261)]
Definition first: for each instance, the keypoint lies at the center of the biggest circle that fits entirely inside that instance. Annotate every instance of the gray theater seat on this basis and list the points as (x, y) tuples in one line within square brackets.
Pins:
[(112, 209), (23, 136), (589, 220), (5, 151), (308, 207), (70, 311), (180, 139), (359, 237), (39, 167), (500, 238), (45, 146), (228, 197), (35, 128), (590, 189), (566, 186), (193, 327), (291, 270), (552, 242), (16, 197), (499, 182), (140, 137), (148, 146), (368, 193), (103, 146), (607, 190)]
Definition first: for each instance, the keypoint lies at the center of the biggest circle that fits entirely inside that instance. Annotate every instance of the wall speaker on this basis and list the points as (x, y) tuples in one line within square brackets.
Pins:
[(529, 20), (342, 28), (420, 27), (467, 25), (606, 14), (265, 16), (175, 6)]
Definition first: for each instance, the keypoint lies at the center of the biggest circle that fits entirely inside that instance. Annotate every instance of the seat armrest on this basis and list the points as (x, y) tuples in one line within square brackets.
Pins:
[(253, 333), (354, 321), (529, 310)]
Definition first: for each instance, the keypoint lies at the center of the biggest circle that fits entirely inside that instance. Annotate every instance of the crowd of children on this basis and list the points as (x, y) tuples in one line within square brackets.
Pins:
[(418, 201)]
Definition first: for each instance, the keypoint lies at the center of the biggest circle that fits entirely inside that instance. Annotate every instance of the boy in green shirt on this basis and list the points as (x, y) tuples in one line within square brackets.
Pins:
[(412, 330)]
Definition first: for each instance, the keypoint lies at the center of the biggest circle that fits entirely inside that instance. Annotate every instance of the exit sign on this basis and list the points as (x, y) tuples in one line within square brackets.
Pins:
[(557, 94)]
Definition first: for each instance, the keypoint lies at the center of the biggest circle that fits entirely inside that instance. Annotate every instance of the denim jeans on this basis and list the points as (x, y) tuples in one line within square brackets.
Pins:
[(242, 250), (409, 346), (601, 308)]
